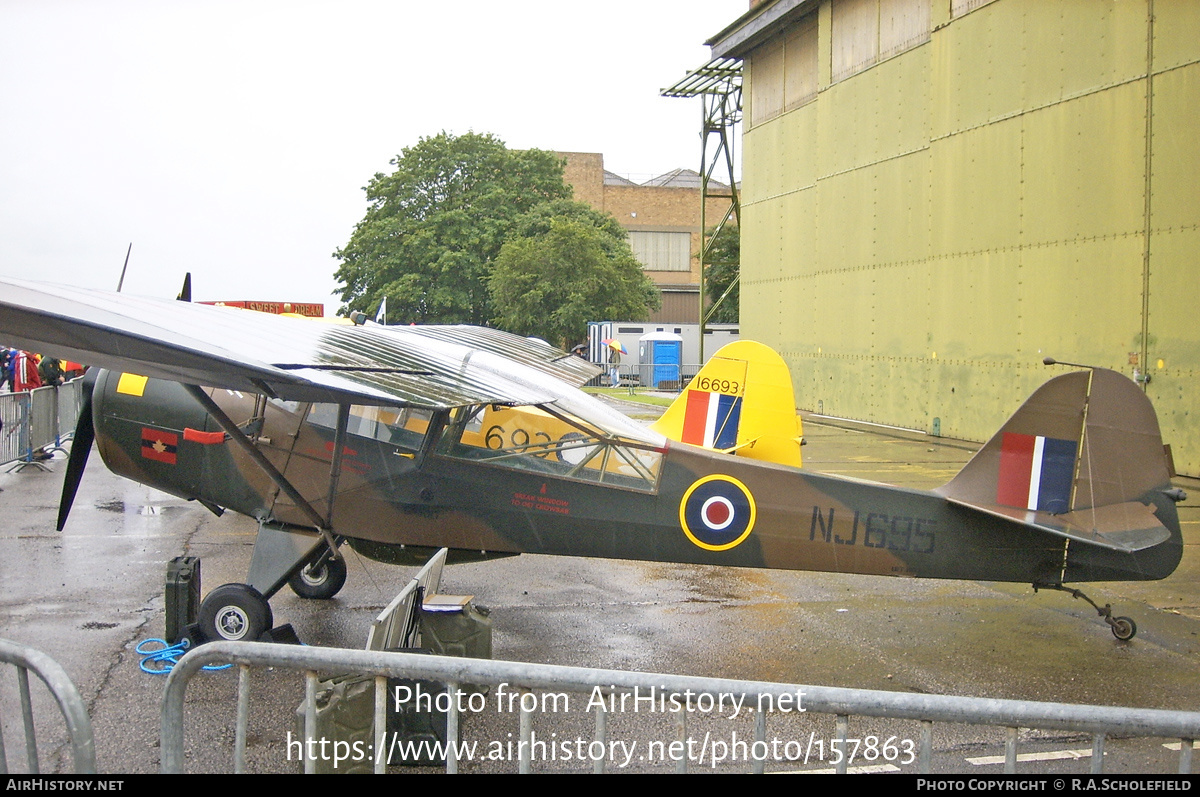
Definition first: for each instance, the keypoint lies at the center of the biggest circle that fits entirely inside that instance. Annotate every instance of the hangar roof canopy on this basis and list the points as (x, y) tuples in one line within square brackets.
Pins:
[(756, 26)]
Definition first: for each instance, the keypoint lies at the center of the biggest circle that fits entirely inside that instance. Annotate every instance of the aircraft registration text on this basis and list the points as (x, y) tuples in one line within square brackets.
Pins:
[(895, 533)]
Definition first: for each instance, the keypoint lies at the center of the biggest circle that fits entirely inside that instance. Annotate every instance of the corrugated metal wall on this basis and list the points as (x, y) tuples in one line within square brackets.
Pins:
[(923, 232)]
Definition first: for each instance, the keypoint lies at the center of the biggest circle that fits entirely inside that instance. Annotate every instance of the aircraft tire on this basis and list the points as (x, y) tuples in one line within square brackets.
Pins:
[(235, 612), (320, 584), (1124, 628)]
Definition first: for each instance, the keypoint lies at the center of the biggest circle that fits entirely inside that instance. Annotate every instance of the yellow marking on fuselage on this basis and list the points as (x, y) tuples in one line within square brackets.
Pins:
[(132, 384)]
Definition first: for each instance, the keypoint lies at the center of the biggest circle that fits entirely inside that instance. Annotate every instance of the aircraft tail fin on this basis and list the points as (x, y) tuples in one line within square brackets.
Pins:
[(742, 403), (1082, 458)]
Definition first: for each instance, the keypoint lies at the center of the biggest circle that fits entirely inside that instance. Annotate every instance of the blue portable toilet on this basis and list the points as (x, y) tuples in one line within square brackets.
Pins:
[(660, 354)]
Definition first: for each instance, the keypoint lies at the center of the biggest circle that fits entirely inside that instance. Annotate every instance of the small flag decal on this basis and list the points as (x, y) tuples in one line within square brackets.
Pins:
[(159, 446), (711, 419), (1036, 472)]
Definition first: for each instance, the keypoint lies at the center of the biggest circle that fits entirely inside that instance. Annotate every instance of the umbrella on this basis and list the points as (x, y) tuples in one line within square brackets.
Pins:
[(615, 345)]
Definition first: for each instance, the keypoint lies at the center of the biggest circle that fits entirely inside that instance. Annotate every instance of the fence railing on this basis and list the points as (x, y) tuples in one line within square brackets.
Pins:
[(1099, 721), (14, 435), (670, 377), (38, 419), (79, 728), (69, 402)]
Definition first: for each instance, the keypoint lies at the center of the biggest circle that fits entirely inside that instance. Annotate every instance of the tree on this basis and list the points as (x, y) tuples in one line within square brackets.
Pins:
[(721, 268), (436, 224), (550, 284), (537, 222)]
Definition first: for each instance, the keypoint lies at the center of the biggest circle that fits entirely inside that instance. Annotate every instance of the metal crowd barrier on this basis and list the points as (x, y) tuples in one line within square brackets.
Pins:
[(14, 436), (1100, 721), (669, 378), (74, 713), (43, 418), (69, 401)]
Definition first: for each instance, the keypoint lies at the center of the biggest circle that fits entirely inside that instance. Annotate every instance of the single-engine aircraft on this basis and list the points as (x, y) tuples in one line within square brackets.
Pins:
[(401, 440)]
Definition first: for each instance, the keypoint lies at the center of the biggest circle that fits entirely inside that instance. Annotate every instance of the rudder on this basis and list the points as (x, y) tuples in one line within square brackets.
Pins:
[(1081, 458), (741, 403)]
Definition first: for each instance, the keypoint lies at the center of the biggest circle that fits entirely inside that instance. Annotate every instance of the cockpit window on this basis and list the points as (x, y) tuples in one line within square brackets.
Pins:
[(401, 427), (548, 440)]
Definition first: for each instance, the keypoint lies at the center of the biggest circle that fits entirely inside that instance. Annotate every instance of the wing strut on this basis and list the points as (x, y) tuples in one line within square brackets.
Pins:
[(252, 451)]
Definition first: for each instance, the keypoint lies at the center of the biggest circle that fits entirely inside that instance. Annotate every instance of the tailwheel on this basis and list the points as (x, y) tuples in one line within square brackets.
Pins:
[(235, 612), (1123, 628), (320, 580)]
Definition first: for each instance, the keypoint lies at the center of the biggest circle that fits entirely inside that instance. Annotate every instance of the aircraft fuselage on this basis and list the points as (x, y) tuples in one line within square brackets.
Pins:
[(504, 481)]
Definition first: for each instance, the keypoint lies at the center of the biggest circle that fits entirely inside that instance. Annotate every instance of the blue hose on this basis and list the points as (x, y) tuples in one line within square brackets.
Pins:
[(163, 658)]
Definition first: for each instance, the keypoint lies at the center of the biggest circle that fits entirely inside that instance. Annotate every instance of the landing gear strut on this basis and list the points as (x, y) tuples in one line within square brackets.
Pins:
[(1123, 628), (242, 611)]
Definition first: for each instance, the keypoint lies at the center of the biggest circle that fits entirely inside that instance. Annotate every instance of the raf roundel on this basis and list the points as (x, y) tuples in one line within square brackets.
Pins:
[(717, 513)]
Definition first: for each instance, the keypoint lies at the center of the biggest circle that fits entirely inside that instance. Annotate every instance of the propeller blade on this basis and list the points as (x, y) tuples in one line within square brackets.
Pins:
[(81, 447)]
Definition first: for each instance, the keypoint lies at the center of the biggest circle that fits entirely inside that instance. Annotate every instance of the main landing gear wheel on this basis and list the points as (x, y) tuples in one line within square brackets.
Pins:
[(235, 612), (1123, 628), (321, 580)]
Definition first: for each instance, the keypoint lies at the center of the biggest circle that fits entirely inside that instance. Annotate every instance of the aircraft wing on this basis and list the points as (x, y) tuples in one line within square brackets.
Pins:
[(289, 358)]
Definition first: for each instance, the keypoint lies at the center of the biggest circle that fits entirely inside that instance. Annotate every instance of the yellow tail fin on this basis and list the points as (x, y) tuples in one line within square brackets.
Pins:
[(742, 403)]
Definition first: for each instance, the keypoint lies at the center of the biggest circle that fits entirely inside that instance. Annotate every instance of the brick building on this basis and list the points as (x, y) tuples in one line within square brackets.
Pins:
[(662, 217)]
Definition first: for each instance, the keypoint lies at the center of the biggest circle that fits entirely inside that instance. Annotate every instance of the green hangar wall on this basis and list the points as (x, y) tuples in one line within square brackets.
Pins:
[(939, 193)]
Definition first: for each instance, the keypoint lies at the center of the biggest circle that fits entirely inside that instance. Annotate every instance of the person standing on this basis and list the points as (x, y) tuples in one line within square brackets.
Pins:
[(25, 372), (50, 372)]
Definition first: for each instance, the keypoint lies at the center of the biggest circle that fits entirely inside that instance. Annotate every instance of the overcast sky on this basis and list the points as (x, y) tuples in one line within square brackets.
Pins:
[(233, 139)]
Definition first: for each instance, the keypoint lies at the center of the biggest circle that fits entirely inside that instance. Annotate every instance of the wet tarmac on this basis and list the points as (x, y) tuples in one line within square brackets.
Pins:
[(89, 595)]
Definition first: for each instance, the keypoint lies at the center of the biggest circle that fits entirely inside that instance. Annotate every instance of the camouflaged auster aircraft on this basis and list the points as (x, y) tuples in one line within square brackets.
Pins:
[(400, 440)]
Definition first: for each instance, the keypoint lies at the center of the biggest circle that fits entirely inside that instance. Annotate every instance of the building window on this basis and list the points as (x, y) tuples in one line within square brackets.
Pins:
[(662, 251), (866, 32)]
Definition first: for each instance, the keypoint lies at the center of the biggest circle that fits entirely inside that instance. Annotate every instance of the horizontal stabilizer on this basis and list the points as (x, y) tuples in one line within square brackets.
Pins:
[(1131, 526)]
